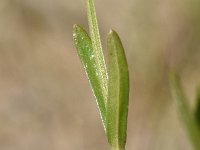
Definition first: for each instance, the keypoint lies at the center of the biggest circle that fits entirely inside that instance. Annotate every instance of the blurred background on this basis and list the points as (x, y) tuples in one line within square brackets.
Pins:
[(45, 99)]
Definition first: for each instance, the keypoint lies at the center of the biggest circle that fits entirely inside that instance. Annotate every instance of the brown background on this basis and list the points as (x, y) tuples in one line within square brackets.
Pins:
[(45, 99)]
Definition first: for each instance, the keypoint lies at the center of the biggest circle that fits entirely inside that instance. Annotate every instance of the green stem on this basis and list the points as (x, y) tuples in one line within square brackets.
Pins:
[(99, 57), (117, 148)]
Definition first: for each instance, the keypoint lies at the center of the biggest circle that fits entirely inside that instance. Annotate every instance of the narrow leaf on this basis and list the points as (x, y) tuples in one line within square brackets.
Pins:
[(88, 58), (118, 93), (197, 110), (183, 109), (96, 44)]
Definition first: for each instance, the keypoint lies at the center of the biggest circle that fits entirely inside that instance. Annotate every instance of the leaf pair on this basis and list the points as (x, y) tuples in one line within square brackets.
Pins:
[(111, 89)]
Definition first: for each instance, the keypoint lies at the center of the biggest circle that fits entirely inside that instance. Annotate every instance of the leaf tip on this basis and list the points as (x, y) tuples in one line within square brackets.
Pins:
[(112, 32), (112, 35), (76, 28), (78, 31)]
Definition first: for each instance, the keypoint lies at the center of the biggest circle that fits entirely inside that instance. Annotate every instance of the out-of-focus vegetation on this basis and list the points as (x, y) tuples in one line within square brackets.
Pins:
[(187, 116), (45, 99)]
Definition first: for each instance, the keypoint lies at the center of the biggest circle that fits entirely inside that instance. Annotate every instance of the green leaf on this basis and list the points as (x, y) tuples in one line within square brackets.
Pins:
[(197, 110), (118, 93), (112, 101), (182, 106), (89, 60), (96, 44)]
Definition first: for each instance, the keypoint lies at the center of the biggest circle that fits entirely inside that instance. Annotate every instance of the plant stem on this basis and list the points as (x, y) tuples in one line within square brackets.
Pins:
[(99, 57), (117, 148), (96, 44)]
